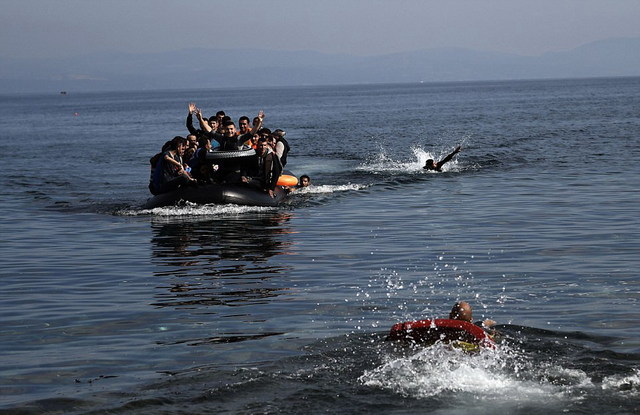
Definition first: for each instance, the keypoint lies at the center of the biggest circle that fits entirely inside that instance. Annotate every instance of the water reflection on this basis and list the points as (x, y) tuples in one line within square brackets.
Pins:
[(221, 262)]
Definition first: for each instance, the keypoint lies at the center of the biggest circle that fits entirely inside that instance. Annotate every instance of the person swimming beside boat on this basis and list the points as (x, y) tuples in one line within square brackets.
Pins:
[(462, 311), (304, 181), (265, 170), (431, 164), (169, 172), (458, 330)]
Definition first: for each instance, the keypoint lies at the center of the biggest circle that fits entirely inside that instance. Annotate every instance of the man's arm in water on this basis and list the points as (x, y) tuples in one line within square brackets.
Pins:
[(448, 158)]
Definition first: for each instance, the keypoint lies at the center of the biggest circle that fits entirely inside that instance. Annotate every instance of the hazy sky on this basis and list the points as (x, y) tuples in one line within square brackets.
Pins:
[(360, 27)]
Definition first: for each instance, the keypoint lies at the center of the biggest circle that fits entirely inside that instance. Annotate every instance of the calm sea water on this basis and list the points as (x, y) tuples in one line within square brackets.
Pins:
[(223, 309)]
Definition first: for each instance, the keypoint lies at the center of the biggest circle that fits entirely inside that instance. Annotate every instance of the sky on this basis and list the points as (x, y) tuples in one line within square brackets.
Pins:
[(60, 28)]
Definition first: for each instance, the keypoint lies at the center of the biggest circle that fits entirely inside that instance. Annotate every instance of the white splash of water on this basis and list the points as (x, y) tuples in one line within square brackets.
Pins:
[(385, 164), (325, 188), (195, 210), (441, 368), (630, 384)]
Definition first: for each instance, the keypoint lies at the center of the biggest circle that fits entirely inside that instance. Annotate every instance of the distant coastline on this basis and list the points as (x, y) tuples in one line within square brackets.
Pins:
[(381, 84), (200, 69)]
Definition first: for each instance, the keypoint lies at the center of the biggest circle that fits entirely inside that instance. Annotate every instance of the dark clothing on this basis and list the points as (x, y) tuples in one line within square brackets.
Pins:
[(283, 159), (202, 169), (229, 143), (153, 161), (172, 184), (165, 175), (244, 138), (264, 171), (192, 130), (432, 168), (438, 166)]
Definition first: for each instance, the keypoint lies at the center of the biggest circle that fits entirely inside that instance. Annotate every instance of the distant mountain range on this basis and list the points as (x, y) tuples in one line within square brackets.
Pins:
[(212, 68)]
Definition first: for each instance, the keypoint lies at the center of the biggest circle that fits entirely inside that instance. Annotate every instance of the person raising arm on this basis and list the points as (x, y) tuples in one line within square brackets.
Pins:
[(432, 165)]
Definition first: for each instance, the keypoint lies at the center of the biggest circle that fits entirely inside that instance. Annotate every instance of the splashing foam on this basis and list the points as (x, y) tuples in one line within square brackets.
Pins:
[(629, 384), (440, 368), (325, 188), (192, 209), (385, 164)]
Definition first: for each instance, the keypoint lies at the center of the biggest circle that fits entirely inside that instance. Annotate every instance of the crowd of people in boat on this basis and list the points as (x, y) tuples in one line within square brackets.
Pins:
[(259, 162)]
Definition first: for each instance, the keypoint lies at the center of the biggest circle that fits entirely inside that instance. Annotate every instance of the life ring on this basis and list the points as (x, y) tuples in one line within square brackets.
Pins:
[(440, 329), (287, 180), (230, 154)]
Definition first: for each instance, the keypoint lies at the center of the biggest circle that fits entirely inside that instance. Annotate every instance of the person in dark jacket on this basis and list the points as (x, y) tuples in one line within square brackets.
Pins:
[(198, 132), (432, 165), (265, 170), (282, 146), (169, 173)]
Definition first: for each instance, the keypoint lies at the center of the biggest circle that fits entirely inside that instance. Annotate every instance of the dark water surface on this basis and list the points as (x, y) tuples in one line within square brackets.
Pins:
[(224, 309)]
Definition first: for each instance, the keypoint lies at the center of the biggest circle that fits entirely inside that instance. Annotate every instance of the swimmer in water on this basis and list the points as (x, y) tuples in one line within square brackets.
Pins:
[(305, 181), (432, 165), (462, 311)]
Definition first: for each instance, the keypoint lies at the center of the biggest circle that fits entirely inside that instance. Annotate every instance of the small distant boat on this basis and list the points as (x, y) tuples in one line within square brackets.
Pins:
[(63, 92)]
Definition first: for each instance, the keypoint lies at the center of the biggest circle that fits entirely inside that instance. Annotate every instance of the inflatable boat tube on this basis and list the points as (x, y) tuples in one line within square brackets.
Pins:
[(215, 155), (218, 194), (445, 330), (287, 180)]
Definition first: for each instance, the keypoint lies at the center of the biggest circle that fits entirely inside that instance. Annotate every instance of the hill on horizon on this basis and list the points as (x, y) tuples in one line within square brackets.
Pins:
[(212, 68)]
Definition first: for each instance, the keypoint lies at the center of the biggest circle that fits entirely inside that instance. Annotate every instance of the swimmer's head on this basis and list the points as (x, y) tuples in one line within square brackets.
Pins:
[(461, 311), (430, 164)]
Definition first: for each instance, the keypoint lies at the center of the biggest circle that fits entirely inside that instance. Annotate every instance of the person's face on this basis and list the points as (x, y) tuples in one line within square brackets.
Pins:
[(213, 124), (244, 126), (261, 148), (230, 130), (181, 148), (304, 182), (193, 142)]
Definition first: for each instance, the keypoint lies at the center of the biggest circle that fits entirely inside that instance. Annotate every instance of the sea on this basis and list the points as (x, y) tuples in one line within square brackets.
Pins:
[(107, 308)]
